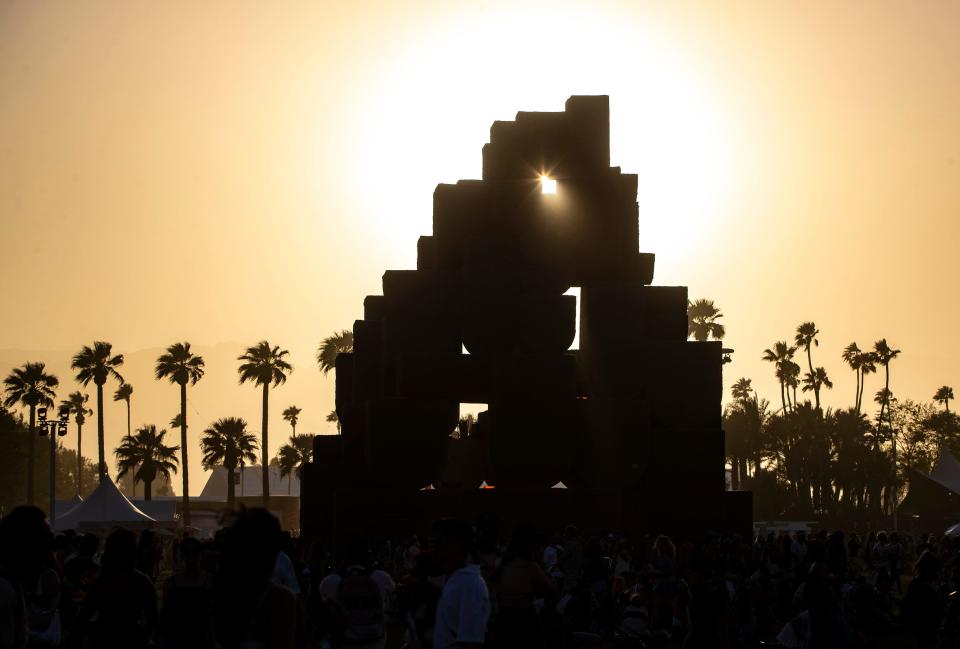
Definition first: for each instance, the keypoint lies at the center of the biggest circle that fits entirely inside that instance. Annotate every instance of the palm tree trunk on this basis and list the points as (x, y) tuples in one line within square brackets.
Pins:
[(231, 489), (32, 433), (102, 464), (816, 388), (783, 399), (863, 382), (265, 469), (147, 489), (79, 459), (290, 483), (886, 392), (184, 467), (857, 394)]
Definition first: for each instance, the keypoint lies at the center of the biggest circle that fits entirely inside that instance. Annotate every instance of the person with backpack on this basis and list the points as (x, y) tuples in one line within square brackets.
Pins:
[(359, 595)]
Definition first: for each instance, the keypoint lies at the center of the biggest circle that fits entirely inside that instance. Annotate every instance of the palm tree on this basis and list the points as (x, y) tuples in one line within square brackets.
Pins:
[(868, 365), (780, 355), (227, 442), (792, 379), (147, 456), (264, 366), (293, 455), (76, 404), (292, 415), (805, 339), (340, 342), (30, 386), (181, 366), (334, 418), (702, 316), (943, 396), (123, 393), (97, 364), (884, 354), (741, 390), (853, 356), (814, 380)]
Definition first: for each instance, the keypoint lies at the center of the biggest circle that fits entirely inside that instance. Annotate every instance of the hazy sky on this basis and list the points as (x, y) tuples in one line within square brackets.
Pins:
[(223, 172)]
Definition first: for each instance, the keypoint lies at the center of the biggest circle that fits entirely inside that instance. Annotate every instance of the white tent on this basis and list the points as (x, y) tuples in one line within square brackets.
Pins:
[(104, 507), (946, 471), (249, 482)]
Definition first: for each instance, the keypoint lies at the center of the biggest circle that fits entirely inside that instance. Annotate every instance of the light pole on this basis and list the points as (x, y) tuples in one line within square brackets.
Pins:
[(60, 428)]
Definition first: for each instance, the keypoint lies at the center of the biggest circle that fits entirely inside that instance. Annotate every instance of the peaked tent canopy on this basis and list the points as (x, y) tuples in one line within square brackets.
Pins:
[(946, 471), (105, 506)]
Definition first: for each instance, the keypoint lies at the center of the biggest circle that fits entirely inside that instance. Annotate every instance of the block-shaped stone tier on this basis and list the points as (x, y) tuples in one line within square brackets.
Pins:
[(484, 319)]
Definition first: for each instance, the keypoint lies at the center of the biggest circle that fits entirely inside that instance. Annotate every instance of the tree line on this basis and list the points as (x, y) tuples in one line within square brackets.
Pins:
[(801, 460), (144, 453)]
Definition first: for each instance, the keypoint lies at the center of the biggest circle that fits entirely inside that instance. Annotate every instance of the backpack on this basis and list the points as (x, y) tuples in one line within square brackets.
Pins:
[(362, 604)]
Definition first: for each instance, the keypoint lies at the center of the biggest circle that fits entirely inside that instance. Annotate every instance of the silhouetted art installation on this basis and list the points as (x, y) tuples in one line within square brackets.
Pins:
[(630, 422)]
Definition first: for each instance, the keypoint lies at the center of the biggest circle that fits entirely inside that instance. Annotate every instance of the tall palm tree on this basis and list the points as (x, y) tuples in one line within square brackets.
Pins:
[(293, 455), (702, 316), (181, 366), (145, 454), (340, 342), (123, 393), (264, 366), (30, 386), (805, 339), (97, 364), (226, 441), (792, 379), (780, 355), (868, 365), (943, 396), (76, 404), (884, 354), (813, 381), (741, 390), (853, 356), (292, 415)]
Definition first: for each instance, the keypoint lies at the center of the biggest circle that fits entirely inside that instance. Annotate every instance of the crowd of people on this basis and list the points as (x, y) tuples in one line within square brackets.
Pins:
[(254, 586)]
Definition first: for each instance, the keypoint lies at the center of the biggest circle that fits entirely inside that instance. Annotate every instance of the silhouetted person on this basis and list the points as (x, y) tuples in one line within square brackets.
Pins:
[(416, 600), (922, 606), (120, 610), (185, 621), (464, 606), (25, 545), (665, 573), (148, 555), (250, 610), (359, 596), (284, 573), (519, 581), (80, 571)]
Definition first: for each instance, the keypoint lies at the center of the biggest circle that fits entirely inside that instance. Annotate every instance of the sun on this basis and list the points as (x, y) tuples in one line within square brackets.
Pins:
[(547, 185), (428, 112)]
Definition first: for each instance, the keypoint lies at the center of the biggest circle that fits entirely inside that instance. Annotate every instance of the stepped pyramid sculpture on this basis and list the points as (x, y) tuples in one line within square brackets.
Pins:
[(630, 422)]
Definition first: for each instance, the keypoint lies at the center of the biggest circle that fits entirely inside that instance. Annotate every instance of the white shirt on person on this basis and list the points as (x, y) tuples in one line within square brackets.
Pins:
[(463, 610)]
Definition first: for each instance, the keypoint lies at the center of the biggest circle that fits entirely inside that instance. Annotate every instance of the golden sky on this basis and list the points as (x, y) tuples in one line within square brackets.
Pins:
[(223, 172)]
